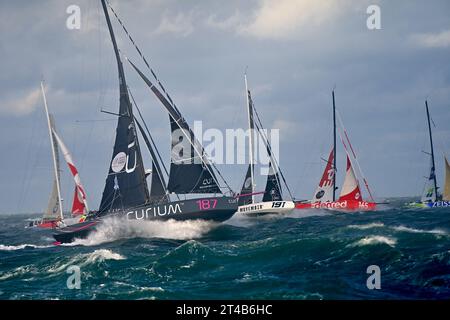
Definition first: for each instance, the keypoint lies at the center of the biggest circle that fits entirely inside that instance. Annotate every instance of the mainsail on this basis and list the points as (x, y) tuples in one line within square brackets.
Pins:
[(350, 189), (54, 210), (79, 205), (126, 185), (429, 191), (324, 192), (446, 194), (247, 190), (190, 171)]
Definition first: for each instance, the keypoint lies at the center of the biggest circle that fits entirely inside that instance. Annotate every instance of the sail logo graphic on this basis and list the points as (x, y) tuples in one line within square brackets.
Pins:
[(248, 182), (159, 211), (320, 194), (119, 162)]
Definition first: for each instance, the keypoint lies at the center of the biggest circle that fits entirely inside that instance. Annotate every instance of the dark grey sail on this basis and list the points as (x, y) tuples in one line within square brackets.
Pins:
[(188, 171), (247, 190), (273, 186), (126, 185)]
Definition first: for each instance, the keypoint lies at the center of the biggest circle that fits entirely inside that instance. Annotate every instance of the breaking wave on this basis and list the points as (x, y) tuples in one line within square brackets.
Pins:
[(402, 228), (371, 240), (366, 226), (21, 247), (113, 229)]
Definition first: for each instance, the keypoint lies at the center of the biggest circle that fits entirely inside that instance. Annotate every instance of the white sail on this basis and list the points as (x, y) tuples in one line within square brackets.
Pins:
[(54, 210), (350, 189), (446, 194)]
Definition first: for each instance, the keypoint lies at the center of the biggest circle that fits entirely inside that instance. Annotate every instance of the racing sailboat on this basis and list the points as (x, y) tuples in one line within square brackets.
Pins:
[(350, 197), (53, 216), (126, 193), (272, 200), (431, 198)]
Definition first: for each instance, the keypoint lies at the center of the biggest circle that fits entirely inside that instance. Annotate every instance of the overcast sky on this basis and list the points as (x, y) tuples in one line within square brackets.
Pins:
[(296, 51)]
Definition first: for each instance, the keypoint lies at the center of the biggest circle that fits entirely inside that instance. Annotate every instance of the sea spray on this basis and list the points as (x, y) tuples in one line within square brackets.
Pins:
[(112, 229)]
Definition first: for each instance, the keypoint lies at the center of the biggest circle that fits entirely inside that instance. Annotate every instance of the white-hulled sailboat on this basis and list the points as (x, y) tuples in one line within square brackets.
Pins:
[(350, 197), (53, 216), (272, 201), (431, 198)]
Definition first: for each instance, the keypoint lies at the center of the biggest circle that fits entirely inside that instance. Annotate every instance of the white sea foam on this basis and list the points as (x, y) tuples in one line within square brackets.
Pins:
[(371, 240), (402, 228), (21, 247), (114, 229), (366, 226)]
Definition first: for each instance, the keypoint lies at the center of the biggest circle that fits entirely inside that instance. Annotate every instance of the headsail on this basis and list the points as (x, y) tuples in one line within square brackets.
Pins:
[(273, 187), (446, 194), (247, 190), (79, 205), (350, 189), (324, 192), (126, 185), (54, 210)]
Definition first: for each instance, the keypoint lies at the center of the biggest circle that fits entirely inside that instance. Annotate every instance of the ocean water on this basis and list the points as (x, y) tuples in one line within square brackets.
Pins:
[(303, 255)]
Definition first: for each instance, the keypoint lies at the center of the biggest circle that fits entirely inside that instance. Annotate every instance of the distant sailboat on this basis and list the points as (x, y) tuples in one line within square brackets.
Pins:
[(430, 196), (272, 201), (126, 193), (53, 216), (350, 197)]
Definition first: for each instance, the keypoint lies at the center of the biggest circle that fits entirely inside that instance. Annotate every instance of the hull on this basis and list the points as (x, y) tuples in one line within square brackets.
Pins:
[(263, 208), (216, 209), (344, 205), (435, 204)]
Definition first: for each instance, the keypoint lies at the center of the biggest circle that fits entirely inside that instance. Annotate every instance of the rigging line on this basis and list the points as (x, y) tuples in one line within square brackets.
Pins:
[(354, 154), (143, 57), (148, 132), (266, 141)]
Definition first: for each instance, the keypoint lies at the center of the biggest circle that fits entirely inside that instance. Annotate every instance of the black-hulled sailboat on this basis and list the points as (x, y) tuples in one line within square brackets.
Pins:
[(126, 193), (272, 200), (431, 197)]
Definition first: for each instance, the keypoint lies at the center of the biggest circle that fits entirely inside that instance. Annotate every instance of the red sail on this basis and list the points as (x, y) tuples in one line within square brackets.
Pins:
[(78, 207), (350, 188)]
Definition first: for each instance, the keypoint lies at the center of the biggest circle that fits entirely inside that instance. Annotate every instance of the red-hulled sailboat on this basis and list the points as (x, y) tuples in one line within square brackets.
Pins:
[(350, 197)]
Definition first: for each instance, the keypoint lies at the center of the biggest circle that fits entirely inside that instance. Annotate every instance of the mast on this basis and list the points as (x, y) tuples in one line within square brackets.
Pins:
[(52, 143), (251, 128), (334, 147), (433, 165)]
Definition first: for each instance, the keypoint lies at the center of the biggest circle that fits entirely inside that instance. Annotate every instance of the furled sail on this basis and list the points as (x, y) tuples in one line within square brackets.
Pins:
[(273, 186), (79, 205), (54, 210), (324, 192), (125, 185), (190, 171), (350, 188), (446, 194), (429, 191)]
